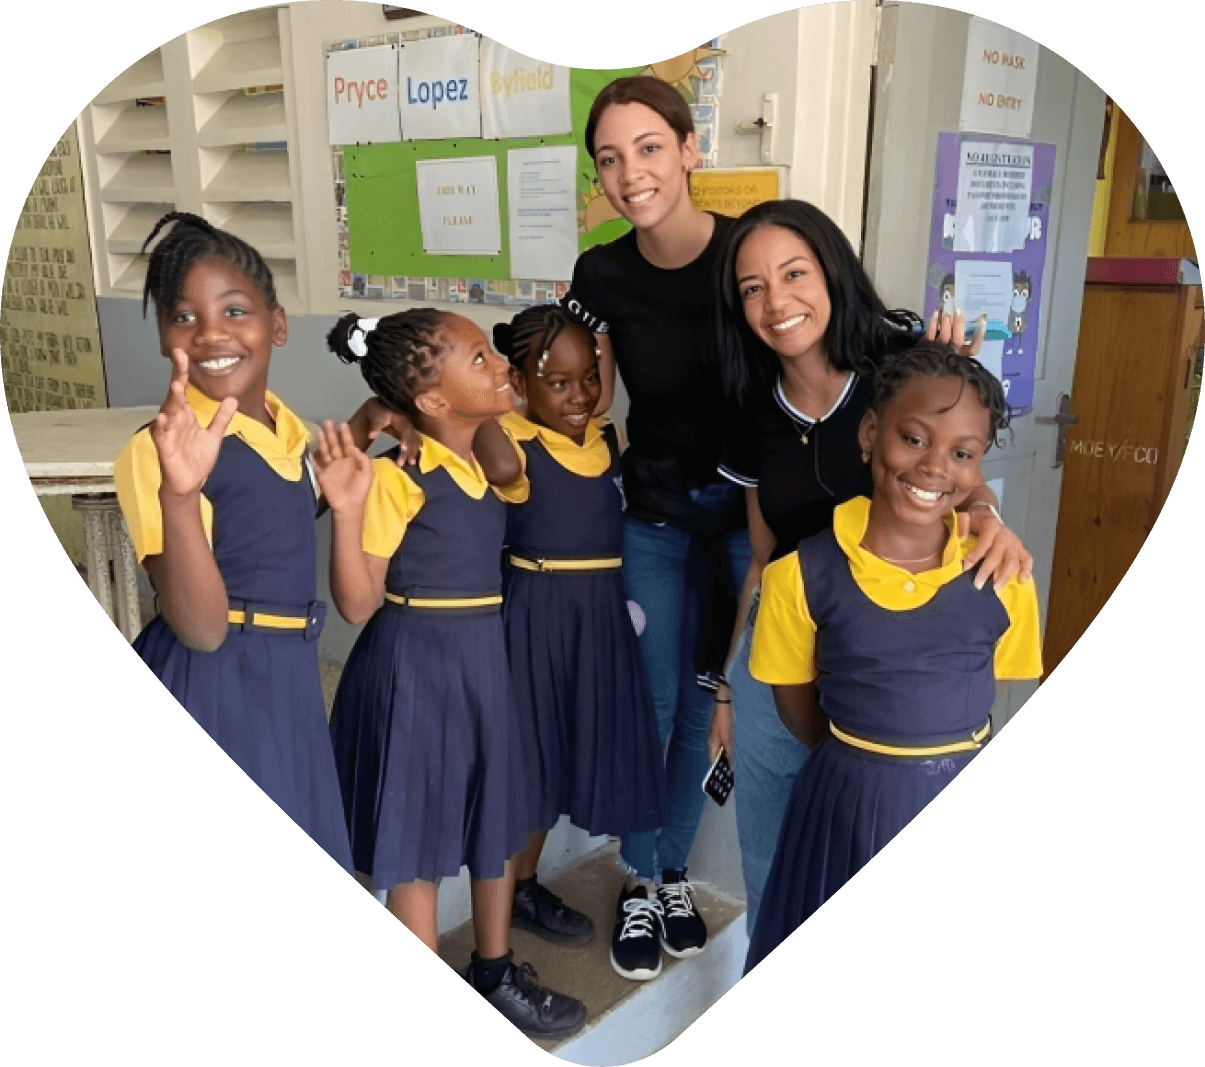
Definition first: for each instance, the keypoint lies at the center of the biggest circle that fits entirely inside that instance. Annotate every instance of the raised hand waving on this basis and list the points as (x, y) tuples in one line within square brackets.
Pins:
[(187, 453)]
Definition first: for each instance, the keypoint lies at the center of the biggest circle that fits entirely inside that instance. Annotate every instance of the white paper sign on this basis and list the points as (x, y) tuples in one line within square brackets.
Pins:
[(522, 97), (999, 81), (541, 191), (437, 79), (983, 287), (995, 181), (361, 96), (458, 206)]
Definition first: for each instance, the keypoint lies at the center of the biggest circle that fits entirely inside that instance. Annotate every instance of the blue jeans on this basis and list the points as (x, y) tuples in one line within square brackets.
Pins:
[(657, 566), (766, 759)]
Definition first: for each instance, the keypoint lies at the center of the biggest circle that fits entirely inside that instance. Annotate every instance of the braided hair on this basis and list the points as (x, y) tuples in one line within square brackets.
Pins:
[(399, 356), (542, 323), (931, 359), (190, 239)]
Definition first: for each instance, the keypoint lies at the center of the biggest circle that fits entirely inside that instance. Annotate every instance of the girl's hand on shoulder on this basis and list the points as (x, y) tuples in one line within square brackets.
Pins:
[(187, 453), (998, 552), (374, 418), (949, 329), (343, 471)]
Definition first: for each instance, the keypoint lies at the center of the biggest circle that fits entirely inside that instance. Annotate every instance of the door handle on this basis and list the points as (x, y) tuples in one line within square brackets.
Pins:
[(1062, 418)]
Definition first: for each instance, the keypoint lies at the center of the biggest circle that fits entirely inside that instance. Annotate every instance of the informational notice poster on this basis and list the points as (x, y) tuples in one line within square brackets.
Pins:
[(49, 337), (999, 81), (361, 96), (995, 182), (520, 96), (1004, 284), (438, 82), (542, 211), (458, 206)]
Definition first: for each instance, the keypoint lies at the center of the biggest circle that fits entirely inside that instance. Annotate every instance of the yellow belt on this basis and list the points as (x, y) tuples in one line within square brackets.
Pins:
[(445, 602), (610, 563), (268, 622), (971, 744)]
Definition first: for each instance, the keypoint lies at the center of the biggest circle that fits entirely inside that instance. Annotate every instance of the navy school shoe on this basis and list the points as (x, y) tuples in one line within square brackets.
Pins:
[(535, 1010), (540, 911), (636, 941), (683, 932)]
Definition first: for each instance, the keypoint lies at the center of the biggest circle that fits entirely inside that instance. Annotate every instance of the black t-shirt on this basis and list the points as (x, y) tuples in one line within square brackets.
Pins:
[(802, 468), (662, 332)]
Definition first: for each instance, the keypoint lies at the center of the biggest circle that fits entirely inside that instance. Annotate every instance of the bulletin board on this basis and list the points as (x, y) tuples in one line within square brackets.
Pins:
[(376, 192)]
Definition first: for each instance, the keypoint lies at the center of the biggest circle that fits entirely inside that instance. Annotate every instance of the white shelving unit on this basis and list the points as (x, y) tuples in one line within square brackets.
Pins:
[(204, 123)]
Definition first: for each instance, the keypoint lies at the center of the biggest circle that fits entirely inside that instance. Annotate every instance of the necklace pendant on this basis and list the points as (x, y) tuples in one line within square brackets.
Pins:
[(805, 439)]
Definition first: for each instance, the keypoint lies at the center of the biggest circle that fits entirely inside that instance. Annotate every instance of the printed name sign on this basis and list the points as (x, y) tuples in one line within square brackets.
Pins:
[(438, 90), (520, 96), (361, 96)]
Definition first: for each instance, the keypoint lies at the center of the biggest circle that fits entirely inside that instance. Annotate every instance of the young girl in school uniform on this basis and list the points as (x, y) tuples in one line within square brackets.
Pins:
[(220, 506), (882, 654), (579, 679), (427, 738)]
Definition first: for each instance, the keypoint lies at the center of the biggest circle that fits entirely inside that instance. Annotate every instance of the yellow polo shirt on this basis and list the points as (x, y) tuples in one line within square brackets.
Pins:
[(138, 475), (395, 498), (784, 637)]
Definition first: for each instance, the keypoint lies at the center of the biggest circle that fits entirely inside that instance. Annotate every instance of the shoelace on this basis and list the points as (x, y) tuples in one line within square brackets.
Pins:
[(528, 981), (641, 913), (678, 897)]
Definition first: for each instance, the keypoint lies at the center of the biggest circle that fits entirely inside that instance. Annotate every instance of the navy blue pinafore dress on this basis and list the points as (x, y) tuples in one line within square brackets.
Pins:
[(922, 677), (424, 726), (259, 695), (580, 682)]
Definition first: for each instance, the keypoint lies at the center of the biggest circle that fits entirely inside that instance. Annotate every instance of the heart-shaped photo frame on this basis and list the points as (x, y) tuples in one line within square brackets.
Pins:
[(849, 679)]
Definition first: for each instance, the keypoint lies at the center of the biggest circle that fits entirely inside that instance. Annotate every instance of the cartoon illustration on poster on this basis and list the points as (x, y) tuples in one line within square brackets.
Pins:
[(1005, 284)]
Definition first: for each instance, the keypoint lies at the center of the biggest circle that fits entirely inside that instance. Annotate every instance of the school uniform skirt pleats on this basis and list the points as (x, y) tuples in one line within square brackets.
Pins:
[(590, 729), (258, 696), (846, 805), (426, 742)]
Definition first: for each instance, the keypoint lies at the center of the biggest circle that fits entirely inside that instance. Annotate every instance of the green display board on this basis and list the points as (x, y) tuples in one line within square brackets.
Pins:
[(382, 195)]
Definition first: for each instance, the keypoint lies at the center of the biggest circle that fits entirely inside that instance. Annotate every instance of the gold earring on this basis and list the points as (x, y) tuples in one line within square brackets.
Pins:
[(865, 456)]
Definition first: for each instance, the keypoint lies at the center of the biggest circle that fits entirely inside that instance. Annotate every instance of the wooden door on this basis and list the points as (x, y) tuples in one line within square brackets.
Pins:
[(1130, 393)]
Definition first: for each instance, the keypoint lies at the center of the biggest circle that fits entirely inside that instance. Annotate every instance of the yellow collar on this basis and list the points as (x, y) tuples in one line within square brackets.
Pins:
[(469, 476), (890, 586), (589, 459), (282, 449)]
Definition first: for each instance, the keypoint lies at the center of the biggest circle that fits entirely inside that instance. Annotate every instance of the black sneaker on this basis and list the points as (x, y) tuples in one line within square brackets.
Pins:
[(683, 932), (536, 1011), (540, 911), (635, 944)]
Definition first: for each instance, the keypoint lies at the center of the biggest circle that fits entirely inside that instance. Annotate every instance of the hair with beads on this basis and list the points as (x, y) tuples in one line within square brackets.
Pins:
[(861, 332), (193, 238), (399, 356), (931, 359), (534, 328), (653, 93)]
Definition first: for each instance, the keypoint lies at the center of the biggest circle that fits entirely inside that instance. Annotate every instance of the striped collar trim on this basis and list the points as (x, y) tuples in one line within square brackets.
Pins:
[(807, 420)]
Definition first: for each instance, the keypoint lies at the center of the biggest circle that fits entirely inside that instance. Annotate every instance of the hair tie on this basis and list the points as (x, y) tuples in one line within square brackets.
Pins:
[(357, 337)]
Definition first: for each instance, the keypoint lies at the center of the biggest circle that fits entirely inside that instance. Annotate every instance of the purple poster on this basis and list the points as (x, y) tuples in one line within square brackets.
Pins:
[(987, 247)]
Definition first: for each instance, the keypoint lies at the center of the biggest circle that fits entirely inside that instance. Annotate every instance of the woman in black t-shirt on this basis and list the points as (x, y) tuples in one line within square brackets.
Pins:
[(647, 298), (801, 332)]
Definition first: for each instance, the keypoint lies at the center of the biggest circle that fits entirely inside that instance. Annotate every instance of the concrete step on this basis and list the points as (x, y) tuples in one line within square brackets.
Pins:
[(627, 1020)]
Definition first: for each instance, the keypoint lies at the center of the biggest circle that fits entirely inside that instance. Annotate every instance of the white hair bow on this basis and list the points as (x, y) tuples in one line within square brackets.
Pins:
[(356, 340)]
